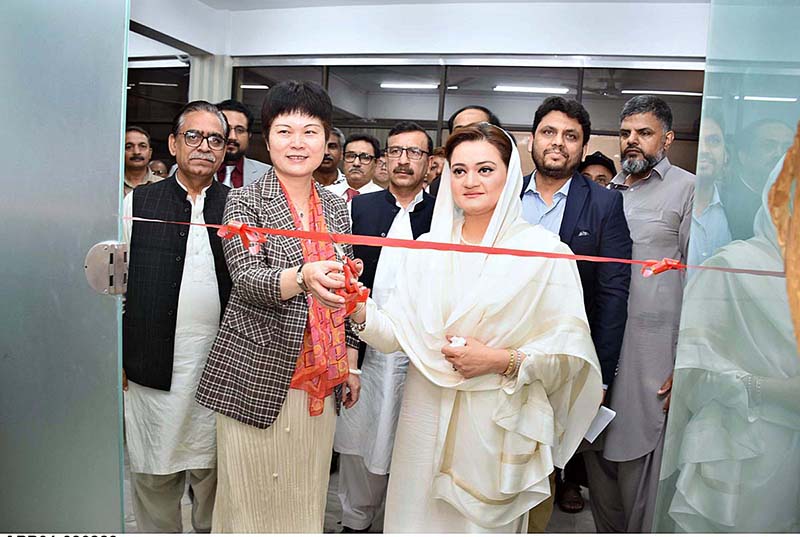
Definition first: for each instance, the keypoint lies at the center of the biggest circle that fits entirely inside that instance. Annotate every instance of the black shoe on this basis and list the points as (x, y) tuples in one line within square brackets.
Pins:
[(347, 529)]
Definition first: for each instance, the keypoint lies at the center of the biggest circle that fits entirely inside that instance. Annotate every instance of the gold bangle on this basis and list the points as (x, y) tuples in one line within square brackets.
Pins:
[(512, 359), (520, 356)]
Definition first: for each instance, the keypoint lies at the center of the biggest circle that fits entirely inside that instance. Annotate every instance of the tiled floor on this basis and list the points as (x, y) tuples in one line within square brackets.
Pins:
[(560, 522)]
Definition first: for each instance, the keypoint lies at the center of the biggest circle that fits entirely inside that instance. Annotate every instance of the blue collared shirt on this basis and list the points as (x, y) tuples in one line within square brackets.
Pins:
[(536, 211), (709, 232)]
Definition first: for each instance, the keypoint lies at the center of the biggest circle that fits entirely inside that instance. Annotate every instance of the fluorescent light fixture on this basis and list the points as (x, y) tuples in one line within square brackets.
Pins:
[(253, 86), (531, 89), (713, 97), (770, 99), (660, 92), (161, 84), (408, 85), (452, 87)]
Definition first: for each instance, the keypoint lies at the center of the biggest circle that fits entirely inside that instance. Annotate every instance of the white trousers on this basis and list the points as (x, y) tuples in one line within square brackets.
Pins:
[(361, 492), (157, 500)]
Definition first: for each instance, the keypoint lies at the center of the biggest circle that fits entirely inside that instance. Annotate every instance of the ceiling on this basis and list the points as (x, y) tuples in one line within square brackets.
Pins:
[(246, 5)]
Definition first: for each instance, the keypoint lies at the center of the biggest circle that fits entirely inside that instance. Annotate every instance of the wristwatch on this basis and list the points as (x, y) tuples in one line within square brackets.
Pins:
[(301, 283)]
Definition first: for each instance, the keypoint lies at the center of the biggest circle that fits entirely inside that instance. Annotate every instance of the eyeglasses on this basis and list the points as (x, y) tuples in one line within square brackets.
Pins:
[(195, 139), (239, 130), (363, 158), (414, 153)]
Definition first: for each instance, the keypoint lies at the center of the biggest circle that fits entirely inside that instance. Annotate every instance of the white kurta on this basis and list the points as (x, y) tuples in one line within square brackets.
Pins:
[(169, 432), (368, 429)]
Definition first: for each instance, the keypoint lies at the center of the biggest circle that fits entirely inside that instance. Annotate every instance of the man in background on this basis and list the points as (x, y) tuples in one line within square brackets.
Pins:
[(471, 114), (360, 159), (239, 170), (381, 177), (137, 156), (159, 168), (328, 172), (365, 433), (755, 152), (623, 466), (435, 169), (599, 168)]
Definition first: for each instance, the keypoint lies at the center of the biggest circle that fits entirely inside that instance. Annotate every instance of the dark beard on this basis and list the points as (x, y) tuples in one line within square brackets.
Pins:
[(232, 158), (556, 172)]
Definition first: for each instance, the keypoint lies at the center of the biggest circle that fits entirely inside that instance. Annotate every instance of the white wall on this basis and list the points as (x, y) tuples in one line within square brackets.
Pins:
[(567, 28), (190, 21), (598, 28), (139, 45)]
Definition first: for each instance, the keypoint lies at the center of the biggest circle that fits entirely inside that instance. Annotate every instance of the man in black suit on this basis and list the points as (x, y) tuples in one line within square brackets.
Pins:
[(588, 218), (365, 433)]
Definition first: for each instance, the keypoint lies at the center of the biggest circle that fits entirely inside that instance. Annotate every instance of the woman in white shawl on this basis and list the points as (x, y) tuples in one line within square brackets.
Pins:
[(481, 425), (732, 450)]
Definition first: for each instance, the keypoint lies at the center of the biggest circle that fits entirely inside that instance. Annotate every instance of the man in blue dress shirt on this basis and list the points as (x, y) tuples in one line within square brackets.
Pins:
[(589, 219)]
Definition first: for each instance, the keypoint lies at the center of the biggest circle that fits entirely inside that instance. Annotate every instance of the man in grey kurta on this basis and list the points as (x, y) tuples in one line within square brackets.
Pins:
[(623, 471)]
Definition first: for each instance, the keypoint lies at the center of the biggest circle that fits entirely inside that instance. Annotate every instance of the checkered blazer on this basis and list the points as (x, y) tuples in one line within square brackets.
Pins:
[(253, 358)]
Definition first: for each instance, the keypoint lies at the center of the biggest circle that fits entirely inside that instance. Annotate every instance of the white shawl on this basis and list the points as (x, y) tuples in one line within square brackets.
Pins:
[(499, 438)]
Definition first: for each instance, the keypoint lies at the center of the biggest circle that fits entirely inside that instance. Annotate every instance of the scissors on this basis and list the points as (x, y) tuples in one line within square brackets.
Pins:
[(352, 293)]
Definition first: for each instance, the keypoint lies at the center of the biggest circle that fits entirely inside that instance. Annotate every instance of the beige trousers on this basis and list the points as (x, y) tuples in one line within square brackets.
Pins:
[(275, 480), (539, 516), (157, 500)]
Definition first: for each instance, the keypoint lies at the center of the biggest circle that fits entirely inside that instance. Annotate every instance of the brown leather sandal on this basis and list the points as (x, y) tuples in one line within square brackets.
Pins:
[(570, 499)]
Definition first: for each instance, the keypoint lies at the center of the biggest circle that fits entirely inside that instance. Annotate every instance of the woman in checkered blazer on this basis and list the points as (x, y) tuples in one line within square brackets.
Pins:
[(276, 372)]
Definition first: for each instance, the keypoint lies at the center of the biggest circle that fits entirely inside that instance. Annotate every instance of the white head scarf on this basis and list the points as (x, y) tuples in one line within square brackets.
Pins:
[(533, 304)]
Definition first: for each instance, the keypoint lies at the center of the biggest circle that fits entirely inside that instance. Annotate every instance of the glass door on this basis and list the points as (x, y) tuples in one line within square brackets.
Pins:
[(63, 68)]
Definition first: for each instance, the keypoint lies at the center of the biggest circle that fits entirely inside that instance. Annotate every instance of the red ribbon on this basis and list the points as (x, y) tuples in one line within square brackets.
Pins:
[(253, 237)]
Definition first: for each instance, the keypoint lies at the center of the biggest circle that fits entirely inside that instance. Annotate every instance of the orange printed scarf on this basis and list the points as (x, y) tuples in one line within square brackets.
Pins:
[(322, 364)]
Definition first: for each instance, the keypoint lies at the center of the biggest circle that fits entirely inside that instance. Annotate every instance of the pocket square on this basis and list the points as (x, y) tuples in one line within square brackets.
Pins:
[(583, 234)]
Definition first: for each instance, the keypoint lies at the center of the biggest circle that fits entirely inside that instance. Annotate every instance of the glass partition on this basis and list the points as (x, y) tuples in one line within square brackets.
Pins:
[(63, 89), (732, 452)]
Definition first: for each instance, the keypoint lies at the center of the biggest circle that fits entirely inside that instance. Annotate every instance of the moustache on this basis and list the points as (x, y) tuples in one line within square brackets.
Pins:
[(203, 156), (403, 169), (559, 151), (634, 150), (233, 143), (137, 158)]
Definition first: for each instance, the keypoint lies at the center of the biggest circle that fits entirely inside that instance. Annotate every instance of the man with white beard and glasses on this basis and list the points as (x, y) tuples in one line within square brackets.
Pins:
[(623, 472)]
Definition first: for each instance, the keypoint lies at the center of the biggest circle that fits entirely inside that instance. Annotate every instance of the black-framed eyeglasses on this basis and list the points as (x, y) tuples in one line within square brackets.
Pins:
[(414, 153), (195, 138), (363, 158)]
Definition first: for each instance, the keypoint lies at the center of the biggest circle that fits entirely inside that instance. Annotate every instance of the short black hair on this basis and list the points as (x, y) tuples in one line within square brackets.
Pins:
[(376, 145), (571, 108), (493, 119), (411, 126), (642, 104), (198, 106), (292, 96), (134, 128), (236, 106)]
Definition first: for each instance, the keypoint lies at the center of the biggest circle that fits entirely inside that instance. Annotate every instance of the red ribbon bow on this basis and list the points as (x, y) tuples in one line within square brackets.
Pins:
[(251, 238), (653, 266)]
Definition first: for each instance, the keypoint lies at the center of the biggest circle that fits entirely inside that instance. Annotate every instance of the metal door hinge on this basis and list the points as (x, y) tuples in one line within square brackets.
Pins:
[(106, 267)]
